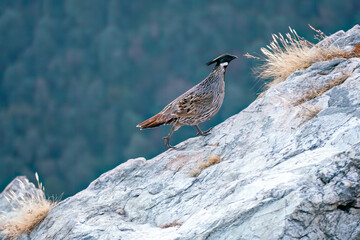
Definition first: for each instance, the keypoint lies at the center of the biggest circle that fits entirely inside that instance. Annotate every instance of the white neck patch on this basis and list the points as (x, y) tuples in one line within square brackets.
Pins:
[(224, 64)]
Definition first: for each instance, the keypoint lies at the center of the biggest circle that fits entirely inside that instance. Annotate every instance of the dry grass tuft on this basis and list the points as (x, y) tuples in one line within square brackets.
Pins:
[(319, 34), (309, 113), (195, 172), (173, 224), (285, 55), (214, 145), (214, 159), (315, 92), (356, 51), (28, 211)]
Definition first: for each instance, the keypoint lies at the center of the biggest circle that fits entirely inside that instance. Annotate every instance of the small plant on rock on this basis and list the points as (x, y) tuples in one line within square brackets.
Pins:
[(214, 159), (29, 208), (285, 55), (173, 224)]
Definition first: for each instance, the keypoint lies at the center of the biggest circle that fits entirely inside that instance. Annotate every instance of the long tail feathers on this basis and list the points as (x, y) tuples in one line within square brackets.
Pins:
[(155, 121)]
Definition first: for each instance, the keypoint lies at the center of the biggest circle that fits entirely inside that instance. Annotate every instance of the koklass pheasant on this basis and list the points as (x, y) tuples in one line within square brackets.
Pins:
[(197, 105)]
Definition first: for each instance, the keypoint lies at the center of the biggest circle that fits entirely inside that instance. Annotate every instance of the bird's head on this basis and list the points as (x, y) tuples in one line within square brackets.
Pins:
[(222, 60)]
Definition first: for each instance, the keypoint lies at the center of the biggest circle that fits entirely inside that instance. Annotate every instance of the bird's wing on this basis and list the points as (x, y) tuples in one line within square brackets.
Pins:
[(194, 104)]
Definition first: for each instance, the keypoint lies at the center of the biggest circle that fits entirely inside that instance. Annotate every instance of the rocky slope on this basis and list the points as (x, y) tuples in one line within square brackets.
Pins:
[(290, 169)]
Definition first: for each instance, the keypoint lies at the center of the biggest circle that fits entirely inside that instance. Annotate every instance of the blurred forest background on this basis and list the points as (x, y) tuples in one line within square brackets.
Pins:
[(77, 76)]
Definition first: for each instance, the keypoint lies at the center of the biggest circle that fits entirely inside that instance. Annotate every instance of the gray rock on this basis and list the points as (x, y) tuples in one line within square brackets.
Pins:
[(19, 185), (343, 40), (287, 171)]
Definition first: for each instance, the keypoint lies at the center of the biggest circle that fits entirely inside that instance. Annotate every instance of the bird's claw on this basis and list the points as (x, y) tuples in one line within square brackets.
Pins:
[(167, 143), (205, 133)]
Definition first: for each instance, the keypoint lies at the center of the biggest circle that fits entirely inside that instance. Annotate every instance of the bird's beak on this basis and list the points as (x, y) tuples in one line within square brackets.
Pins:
[(233, 57)]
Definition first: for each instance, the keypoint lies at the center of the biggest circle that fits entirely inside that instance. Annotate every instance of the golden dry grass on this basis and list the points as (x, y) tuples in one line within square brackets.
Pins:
[(214, 159), (309, 112), (285, 55), (28, 210), (173, 224)]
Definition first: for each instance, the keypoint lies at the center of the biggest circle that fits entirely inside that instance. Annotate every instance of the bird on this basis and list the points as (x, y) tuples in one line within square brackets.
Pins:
[(197, 105)]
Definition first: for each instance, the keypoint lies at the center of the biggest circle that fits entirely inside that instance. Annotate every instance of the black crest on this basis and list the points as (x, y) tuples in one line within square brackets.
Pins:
[(221, 59)]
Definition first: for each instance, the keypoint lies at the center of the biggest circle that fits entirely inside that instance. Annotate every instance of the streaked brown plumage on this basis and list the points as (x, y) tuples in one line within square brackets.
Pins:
[(196, 105)]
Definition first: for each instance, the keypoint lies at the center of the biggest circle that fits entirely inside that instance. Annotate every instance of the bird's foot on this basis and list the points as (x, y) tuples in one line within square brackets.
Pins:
[(205, 133), (167, 144)]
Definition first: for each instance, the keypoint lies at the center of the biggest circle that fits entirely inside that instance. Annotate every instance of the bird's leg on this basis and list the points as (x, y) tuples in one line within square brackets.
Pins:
[(201, 132), (208, 131), (167, 138)]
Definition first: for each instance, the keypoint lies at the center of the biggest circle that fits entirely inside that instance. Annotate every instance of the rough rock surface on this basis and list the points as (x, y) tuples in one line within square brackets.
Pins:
[(14, 186), (290, 169)]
